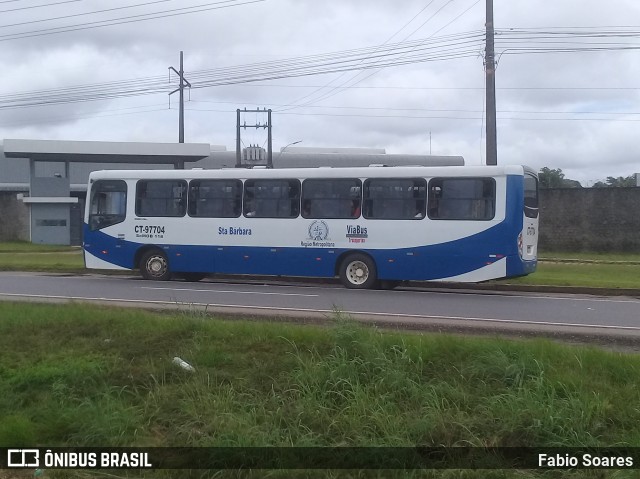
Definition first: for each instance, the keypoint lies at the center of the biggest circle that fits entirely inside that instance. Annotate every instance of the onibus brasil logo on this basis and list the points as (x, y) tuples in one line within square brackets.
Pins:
[(70, 459)]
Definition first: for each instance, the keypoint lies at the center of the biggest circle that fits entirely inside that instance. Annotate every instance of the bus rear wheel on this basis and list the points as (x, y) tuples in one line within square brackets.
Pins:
[(358, 271), (388, 284), (193, 277), (154, 265)]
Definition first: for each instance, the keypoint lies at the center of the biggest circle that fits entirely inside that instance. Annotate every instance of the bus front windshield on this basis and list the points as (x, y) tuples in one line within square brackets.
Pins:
[(108, 203)]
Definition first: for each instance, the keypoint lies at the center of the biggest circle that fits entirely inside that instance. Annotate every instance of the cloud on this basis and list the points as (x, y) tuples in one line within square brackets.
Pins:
[(542, 99)]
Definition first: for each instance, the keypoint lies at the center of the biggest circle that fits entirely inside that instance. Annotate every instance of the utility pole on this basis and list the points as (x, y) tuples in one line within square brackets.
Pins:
[(490, 71), (183, 83)]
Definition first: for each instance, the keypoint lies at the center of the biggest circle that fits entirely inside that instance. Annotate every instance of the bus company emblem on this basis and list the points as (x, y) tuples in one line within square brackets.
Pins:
[(318, 231)]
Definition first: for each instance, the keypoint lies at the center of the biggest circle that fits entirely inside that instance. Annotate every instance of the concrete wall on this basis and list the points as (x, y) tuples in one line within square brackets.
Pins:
[(590, 219), (14, 218)]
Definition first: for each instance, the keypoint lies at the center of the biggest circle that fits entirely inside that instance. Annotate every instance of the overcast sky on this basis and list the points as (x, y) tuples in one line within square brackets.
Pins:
[(558, 105)]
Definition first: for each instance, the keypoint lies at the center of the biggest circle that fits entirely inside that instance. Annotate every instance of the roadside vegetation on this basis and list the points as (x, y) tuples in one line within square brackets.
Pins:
[(593, 257), (593, 274), (27, 247), (25, 256), (79, 375)]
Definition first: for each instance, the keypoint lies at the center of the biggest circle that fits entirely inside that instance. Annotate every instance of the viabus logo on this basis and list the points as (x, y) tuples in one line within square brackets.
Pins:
[(356, 231), (23, 458)]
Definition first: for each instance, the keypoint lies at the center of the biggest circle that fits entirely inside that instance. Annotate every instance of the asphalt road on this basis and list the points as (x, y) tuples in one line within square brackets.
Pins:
[(422, 309)]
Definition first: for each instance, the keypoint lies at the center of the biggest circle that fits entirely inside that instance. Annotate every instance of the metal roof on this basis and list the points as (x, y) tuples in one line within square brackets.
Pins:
[(88, 156), (105, 151)]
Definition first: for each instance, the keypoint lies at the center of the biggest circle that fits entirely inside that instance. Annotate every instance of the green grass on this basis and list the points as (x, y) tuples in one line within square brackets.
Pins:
[(593, 256), (594, 275), (24, 256), (92, 376), (42, 261), (27, 247)]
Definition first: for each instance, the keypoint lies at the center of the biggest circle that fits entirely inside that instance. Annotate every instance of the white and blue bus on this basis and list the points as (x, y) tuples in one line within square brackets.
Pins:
[(369, 226)]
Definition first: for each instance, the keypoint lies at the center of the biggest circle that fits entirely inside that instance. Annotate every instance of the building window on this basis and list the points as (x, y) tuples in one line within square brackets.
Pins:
[(395, 198), (51, 222), (271, 198), (462, 199), (161, 198), (108, 203), (215, 198), (331, 198)]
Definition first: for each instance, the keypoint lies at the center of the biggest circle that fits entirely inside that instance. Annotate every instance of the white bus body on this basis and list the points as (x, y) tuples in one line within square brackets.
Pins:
[(369, 226)]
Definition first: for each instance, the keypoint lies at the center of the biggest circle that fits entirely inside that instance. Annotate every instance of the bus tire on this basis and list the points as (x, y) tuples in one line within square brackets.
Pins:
[(154, 265), (358, 271), (388, 284), (193, 277)]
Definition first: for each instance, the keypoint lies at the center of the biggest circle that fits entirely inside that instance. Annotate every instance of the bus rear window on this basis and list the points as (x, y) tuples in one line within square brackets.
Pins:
[(471, 199), (108, 203)]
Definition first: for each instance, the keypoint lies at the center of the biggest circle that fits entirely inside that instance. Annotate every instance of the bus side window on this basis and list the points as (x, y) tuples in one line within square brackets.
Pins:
[(331, 198), (395, 198), (161, 198), (469, 199), (215, 198), (272, 198)]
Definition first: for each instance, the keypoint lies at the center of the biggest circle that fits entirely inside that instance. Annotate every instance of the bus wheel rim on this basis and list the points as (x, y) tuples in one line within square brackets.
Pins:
[(357, 272), (156, 265)]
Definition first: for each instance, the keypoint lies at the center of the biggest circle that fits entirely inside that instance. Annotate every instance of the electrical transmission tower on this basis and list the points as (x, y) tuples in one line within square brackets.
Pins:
[(244, 126)]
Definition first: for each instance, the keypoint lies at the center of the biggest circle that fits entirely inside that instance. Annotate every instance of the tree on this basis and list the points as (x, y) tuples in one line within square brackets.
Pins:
[(619, 182), (554, 178)]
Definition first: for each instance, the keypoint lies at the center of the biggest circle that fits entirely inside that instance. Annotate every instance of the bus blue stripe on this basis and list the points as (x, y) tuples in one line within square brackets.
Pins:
[(418, 263)]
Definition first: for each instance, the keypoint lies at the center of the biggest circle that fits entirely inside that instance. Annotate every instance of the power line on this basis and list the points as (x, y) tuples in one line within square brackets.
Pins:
[(39, 6), (567, 39), (441, 48), (152, 109), (337, 89), (431, 36), (384, 43), (379, 108), (438, 49), (439, 117), (392, 55), (83, 14), (403, 87), (125, 20)]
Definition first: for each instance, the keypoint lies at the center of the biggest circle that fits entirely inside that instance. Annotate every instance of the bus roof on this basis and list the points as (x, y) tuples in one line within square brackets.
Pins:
[(321, 172)]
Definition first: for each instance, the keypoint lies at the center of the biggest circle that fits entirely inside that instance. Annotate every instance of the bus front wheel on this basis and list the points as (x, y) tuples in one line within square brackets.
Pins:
[(358, 271), (155, 266)]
